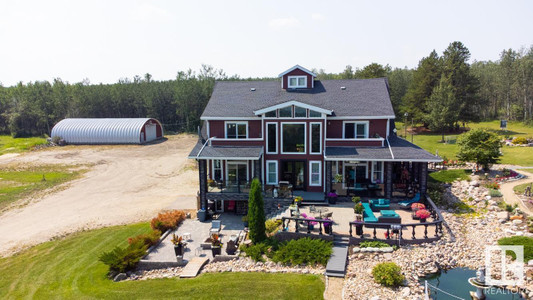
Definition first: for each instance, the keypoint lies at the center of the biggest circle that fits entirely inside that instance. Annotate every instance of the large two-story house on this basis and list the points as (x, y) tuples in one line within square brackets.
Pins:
[(302, 132)]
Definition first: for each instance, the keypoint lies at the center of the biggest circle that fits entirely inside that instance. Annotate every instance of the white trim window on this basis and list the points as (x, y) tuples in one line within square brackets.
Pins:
[(315, 173), (272, 172), (355, 130), (236, 130), (377, 172), (217, 169), (300, 112), (293, 138), (235, 173), (297, 82), (315, 136), (271, 138)]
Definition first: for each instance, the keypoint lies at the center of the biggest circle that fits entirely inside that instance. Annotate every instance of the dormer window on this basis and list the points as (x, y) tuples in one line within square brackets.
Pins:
[(297, 82)]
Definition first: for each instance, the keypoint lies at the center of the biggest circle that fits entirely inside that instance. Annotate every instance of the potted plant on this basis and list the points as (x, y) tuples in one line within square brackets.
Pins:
[(356, 199), (358, 210), (338, 178), (216, 245), (298, 200), (422, 214), (312, 223), (178, 244), (245, 221), (332, 197), (328, 226), (359, 227)]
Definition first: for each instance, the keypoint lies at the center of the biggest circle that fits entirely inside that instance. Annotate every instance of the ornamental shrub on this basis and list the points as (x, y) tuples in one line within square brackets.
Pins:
[(303, 251), (388, 274), (148, 239), (256, 213), (520, 140), (272, 225), (167, 220), (495, 193), (373, 244), (124, 259)]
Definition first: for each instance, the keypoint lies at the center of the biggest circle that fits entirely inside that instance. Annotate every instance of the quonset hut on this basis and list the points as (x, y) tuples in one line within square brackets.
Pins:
[(108, 131)]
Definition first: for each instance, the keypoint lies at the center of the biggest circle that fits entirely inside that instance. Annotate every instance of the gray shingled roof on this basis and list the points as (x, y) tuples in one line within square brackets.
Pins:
[(214, 152), (401, 149), (362, 97)]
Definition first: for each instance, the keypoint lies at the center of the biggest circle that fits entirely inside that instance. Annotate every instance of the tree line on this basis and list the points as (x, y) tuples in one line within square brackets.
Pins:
[(442, 92)]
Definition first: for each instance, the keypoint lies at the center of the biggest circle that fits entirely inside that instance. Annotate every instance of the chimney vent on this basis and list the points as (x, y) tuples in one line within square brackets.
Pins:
[(252, 89), (343, 88)]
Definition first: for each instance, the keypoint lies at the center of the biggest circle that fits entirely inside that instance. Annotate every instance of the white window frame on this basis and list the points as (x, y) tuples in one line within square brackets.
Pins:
[(214, 169), (348, 164), (267, 138), (311, 138), (305, 138), (237, 162), (381, 171), (366, 123), (297, 80), (311, 162), (236, 123), (268, 172)]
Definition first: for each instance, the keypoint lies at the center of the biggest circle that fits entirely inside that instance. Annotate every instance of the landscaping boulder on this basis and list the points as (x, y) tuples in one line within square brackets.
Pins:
[(502, 215), (120, 277), (474, 183)]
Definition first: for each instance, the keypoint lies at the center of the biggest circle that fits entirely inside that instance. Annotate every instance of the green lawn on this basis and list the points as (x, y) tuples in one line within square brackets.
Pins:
[(527, 170), (521, 188), (9, 144), (69, 268), (449, 176), (19, 182), (522, 156)]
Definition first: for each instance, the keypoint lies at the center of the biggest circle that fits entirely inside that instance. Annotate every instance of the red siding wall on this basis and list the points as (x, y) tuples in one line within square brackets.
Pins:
[(297, 72)]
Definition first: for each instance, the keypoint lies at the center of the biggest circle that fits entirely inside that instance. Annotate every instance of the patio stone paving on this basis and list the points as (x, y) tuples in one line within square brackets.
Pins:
[(231, 224)]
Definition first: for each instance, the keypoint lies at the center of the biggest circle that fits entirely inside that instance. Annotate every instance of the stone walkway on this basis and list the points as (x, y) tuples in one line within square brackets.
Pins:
[(509, 194), (199, 231)]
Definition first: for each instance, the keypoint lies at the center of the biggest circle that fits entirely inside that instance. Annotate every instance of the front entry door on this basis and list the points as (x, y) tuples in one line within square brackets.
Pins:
[(294, 173)]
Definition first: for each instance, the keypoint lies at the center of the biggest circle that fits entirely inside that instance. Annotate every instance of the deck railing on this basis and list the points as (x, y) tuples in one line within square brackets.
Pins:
[(435, 226), (233, 187), (323, 224)]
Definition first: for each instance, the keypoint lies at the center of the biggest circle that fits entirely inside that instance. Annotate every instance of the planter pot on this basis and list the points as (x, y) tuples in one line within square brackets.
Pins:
[(178, 250), (359, 217), (359, 229), (215, 250), (311, 227), (245, 224), (422, 220), (332, 200), (328, 229)]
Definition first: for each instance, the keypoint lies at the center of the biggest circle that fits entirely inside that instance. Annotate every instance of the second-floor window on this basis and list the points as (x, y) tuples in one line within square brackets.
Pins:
[(355, 130), (236, 130), (297, 81)]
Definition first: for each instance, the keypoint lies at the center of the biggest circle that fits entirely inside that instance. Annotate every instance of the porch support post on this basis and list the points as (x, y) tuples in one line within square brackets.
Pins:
[(202, 171), (388, 179), (423, 178), (416, 168), (328, 176), (257, 169)]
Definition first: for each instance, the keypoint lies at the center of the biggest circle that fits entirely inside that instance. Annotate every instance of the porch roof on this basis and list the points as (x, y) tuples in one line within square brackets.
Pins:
[(397, 149), (225, 152)]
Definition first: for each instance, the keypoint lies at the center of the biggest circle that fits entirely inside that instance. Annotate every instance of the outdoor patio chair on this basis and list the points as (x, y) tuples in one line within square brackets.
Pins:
[(215, 227), (406, 204), (231, 247)]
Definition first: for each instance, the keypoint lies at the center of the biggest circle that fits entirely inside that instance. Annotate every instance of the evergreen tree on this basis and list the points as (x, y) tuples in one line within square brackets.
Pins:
[(256, 213), (479, 146), (373, 70), (443, 107), (425, 78)]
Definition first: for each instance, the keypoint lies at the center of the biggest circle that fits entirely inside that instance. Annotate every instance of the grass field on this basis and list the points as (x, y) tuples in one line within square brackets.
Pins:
[(9, 144), (19, 182), (449, 176), (527, 170), (69, 269), (521, 188), (522, 156)]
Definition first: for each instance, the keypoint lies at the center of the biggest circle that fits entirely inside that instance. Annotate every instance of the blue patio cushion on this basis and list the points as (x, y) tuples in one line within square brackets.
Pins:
[(381, 201), (368, 215)]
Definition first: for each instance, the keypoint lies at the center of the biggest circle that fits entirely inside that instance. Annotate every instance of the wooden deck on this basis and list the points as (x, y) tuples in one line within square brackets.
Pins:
[(193, 267), (336, 266)]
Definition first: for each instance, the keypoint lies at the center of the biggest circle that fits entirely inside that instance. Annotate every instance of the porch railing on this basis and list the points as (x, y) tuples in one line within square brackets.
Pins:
[(234, 187), (323, 225), (389, 228)]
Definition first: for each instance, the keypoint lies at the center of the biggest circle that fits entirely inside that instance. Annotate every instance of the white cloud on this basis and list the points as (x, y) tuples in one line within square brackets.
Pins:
[(283, 23), (317, 17)]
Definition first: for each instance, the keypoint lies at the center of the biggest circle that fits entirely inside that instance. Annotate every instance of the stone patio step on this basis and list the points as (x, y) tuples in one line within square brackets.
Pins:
[(193, 267)]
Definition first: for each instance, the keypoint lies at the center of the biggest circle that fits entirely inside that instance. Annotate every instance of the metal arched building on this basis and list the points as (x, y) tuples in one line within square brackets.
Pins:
[(108, 131)]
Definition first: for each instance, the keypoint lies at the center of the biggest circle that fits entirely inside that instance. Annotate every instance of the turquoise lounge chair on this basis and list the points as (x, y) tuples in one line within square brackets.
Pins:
[(407, 203)]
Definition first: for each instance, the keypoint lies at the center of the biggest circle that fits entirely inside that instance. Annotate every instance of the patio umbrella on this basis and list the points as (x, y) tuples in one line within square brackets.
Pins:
[(417, 206)]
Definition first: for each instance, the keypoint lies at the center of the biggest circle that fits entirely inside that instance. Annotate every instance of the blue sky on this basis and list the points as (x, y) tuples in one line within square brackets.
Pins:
[(106, 40)]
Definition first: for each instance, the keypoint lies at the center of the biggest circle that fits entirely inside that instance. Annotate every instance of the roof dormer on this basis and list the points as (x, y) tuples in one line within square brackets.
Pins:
[(297, 77)]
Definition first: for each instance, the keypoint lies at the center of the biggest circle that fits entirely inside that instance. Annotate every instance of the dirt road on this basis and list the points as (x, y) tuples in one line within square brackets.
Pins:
[(125, 184)]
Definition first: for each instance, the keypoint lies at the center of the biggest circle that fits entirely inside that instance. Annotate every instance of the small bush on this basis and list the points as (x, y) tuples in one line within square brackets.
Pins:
[(123, 259), (435, 192), (388, 274), (373, 244), (167, 220), (520, 140), (525, 241), (268, 247), (148, 239), (272, 225), (494, 193), (492, 185), (303, 251), (507, 207)]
